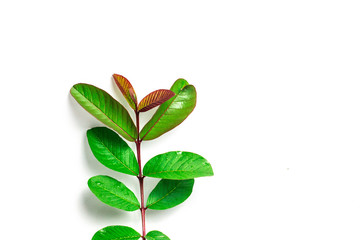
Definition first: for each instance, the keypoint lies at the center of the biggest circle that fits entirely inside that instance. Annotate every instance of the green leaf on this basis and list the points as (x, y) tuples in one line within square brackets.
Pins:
[(113, 193), (169, 193), (112, 151), (127, 90), (156, 235), (172, 112), (117, 233), (178, 165), (105, 108)]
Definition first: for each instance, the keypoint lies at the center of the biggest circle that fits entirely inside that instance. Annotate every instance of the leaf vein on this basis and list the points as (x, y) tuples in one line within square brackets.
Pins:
[(115, 156), (126, 200), (166, 194), (103, 113)]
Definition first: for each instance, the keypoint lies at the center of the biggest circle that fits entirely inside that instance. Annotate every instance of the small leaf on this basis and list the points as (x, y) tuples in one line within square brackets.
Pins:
[(113, 193), (105, 108), (112, 151), (127, 90), (116, 233), (156, 235), (178, 165), (172, 112), (154, 99), (169, 193)]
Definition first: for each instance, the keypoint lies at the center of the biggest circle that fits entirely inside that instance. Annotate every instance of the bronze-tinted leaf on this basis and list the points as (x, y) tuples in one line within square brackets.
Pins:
[(155, 99), (127, 90)]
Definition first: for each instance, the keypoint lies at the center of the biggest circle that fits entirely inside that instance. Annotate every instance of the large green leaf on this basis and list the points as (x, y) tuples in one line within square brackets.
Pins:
[(113, 193), (112, 151), (169, 193), (172, 112), (156, 235), (105, 108), (117, 233), (178, 165)]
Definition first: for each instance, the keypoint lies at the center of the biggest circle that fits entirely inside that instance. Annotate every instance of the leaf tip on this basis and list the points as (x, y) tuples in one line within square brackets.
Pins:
[(73, 89)]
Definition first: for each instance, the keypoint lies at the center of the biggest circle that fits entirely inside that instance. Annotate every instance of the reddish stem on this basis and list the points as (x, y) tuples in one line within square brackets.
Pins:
[(140, 177)]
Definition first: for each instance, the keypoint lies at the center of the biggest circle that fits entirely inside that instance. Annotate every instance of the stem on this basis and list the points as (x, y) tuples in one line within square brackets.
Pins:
[(140, 177)]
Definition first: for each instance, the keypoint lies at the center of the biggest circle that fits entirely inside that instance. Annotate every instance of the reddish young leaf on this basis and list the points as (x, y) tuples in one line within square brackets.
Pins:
[(154, 99), (127, 90)]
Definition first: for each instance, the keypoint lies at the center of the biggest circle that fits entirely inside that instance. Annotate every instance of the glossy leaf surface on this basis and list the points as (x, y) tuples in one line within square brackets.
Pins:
[(156, 235), (178, 165), (112, 151), (126, 89), (169, 193), (154, 99), (105, 108), (172, 112), (116, 233), (113, 193)]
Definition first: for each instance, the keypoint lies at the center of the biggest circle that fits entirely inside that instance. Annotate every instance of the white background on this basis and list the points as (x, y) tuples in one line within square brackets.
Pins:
[(277, 114)]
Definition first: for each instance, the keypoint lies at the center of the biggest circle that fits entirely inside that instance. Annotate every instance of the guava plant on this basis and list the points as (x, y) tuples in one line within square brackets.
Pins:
[(176, 169)]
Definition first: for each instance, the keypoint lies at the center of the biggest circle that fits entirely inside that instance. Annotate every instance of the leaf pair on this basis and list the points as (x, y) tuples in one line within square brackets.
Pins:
[(152, 100), (176, 104), (115, 153), (167, 194), (123, 232)]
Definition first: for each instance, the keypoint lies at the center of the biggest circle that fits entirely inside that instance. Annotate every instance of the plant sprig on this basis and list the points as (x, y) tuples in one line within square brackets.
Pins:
[(176, 169)]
